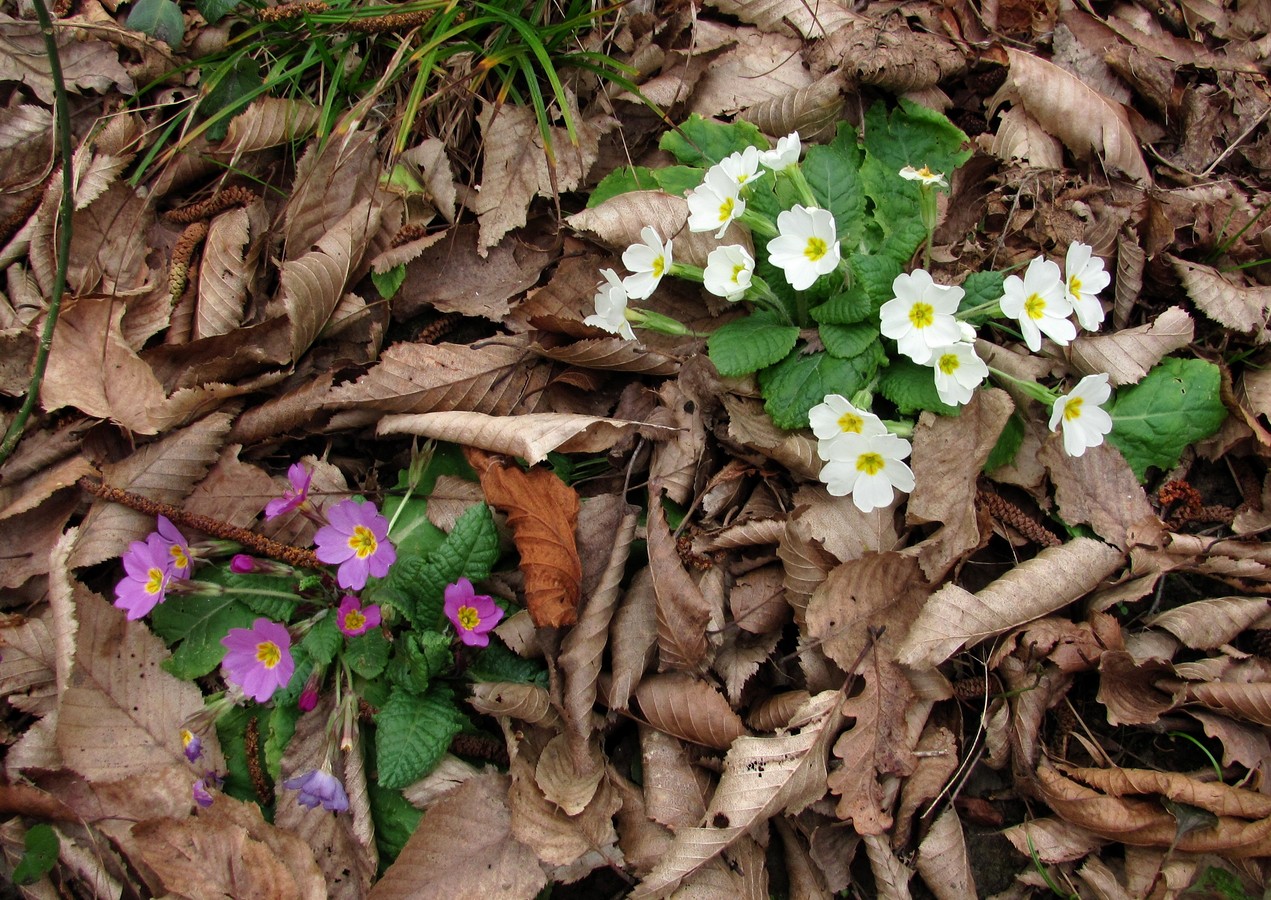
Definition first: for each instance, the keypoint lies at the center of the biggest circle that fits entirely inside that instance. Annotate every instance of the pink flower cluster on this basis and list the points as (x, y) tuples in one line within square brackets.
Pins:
[(150, 567)]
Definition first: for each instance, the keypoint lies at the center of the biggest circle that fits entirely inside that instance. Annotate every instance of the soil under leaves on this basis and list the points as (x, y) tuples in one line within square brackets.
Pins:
[(1053, 677)]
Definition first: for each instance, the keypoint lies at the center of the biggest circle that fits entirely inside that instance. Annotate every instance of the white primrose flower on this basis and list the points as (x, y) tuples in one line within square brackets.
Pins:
[(611, 307), (784, 155), (1084, 278), (1038, 302), (925, 175), (742, 167), (869, 467), (714, 203), (959, 371), (920, 316), (648, 262), (806, 246), (1081, 414), (728, 272), (835, 418)]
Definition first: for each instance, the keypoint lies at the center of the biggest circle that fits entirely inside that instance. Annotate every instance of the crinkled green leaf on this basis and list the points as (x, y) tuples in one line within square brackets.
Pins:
[(875, 275), (161, 19), (1008, 444), (324, 640), (367, 654), (847, 308), (912, 388), (897, 211), (215, 10), (833, 173), (281, 726), (497, 663), (395, 819), (703, 142), (413, 733), (418, 658), (198, 623), (750, 344), (801, 381), (846, 341), (914, 135), (679, 180), (981, 288), (622, 181), (1175, 405)]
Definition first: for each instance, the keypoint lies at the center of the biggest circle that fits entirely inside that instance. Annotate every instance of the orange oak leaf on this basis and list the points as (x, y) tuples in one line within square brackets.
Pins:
[(543, 513)]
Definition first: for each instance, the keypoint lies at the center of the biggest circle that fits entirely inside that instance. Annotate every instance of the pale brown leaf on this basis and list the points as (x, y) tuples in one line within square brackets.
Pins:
[(617, 222), (1243, 745), (756, 69), (757, 600), (1053, 839), (1086, 121), (223, 275), (26, 668), (633, 638), (675, 791), (775, 711), (1129, 354), (884, 51), (1235, 305), (739, 657), (763, 776), (567, 785), (527, 702), (531, 436), (494, 863), (891, 875), (683, 611), (749, 424), (642, 840), (1249, 701), (1208, 624), (788, 17), (689, 708), (120, 713), (806, 564), (942, 859), (1019, 136), (93, 65), (1054, 578), (613, 354), (1131, 261), (334, 178), (937, 760), (268, 122), (812, 111), (861, 598), (1098, 489)]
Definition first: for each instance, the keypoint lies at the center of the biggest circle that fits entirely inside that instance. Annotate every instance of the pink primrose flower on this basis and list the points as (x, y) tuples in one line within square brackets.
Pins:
[(356, 538), (473, 614), (353, 620), (178, 547), (258, 659), (148, 571), (299, 475)]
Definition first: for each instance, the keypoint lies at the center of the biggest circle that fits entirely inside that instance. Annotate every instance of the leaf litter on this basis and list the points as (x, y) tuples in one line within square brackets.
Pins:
[(1052, 672)]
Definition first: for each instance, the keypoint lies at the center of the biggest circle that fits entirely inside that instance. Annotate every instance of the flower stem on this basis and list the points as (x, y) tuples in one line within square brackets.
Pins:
[(801, 185), (1029, 388), (758, 224), (992, 307)]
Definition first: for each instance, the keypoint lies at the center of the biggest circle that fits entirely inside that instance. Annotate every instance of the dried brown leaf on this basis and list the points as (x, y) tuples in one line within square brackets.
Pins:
[(543, 513), (758, 68), (884, 51), (26, 668), (612, 355), (1248, 701), (334, 178), (633, 638), (494, 863), (689, 708), (788, 17), (1129, 689), (891, 875), (642, 840), (1087, 122), (223, 275), (757, 600), (942, 859), (268, 122), (675, 791), (1208, 624), (683, 611), (739, 657), (749, 424), (1053, 839), (1098, 489), (1241, 307), (1243, 745), (93, 65), (859, 600), (1020, 136), (813, 111), (617, 223), (937, 760), (527, 702), (567, 785), (1128, 354), (1054, 578), (763, 776)]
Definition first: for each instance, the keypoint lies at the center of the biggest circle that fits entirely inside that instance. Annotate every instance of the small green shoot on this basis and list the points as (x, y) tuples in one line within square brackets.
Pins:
[(1045, 874), (1203, 749)]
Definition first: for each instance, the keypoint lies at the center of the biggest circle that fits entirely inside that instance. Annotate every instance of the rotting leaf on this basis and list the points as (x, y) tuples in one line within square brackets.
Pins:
[(543, 514)]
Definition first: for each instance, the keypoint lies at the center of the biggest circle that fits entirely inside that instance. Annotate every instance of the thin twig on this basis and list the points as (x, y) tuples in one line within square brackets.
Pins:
[(61, 109)]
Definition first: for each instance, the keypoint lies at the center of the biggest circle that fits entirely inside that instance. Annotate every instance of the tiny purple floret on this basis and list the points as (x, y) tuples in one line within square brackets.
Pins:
[(299, 475), (472, 614), (319, 788), (353, 620), (258, 659), (356, 539)]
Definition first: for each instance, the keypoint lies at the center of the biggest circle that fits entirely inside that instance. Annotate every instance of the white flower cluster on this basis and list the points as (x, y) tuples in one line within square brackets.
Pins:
[(862, 457)]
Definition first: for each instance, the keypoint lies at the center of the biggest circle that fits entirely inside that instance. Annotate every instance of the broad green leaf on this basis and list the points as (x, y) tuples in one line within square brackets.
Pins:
[(914, 135), (231, 731), (395, 819), (750, 344), (800, 382), (846, 341), (621, 181), (497, 663), (40, 845), (679, 180), (388, 283), (1177, 404), (198, 623), (703, 142), (833, 173), (230, 87), (367, 654), (161, 19), (981, 288), (418, 658), (413, 733), (1008, 444), (897, 211), (281, 726), (875, 275), (847, 308), (323, 640), (272, 596), (215, 10), (912, 388)]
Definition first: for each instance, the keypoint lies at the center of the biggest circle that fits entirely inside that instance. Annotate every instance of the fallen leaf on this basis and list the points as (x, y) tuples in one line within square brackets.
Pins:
[(85, 64), (1241, 307), (682, 609), (689, 708), (1128, 354), (1208, 624), (943, 861)]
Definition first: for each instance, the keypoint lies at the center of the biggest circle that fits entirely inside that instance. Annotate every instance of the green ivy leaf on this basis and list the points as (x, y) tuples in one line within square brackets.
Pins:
[(801, 381), (1008, 444), (846, 341), (833, 173), (41, 846), (161, 19), (367, 654), (198, 623), (418, 658), (413, 733), (1177, 404), (703, 142), (416, 586), (912, 388), (750, 344), (323, 640), (388, 283)]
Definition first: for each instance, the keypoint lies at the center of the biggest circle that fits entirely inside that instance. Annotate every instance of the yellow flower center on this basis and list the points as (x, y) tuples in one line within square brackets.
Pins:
[(1074, 286), (851, 423), (187, 737), (869, 463), (815, 249), (925, 174), (726, 209), (154, 582), (659, 266), (949, 363), (469, 618), (1072, 409), (354, 620), (268, 654), (921, 315), (737, 270), (1035, 306), (363, 542), (178, 555)]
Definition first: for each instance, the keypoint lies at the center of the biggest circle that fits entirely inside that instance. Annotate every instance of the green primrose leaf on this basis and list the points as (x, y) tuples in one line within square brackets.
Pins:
[(413, 733), (41, 845), (215, 10), (833, 173), (1177, 404), (703, 142), (897, 210), (323, 640), (847, 307), (418, 658), (230, 88), (750, 344), (801, 381), (912, 388), (497, 663), (388, 283), (367, 654), (161, 19), (914, 135), (231, 731), (1008, 444), (622, 181), (875, 275), (416, 585), (395, 819), (198, 623), (281, 726), (679, 180), (847, 341), (981, 288)]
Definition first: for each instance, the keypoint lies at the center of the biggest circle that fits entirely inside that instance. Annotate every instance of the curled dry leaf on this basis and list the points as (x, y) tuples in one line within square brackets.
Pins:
[(813, 111), (531, 436), (268, 122), (675, 790), (1098, 489), (861, 598), (527, 702), (954, 617), (1241, 700), (756, 69), (1238, 306), (1087, 122), (689, 708), (611, 355), (223, 275), (683, 610), (1053, 839), (565, 784), (787, 17), (633, 638), (616, 223), (543, 513), (1127, 355), (1208, 624), (942, 859), (1020, 136), (763, 776)]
